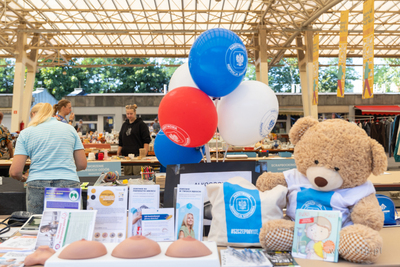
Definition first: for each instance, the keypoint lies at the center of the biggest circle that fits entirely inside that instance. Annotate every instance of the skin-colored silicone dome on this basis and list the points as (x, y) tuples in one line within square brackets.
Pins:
[(40, 256), (83, 249), (187, 247), (136, 247)]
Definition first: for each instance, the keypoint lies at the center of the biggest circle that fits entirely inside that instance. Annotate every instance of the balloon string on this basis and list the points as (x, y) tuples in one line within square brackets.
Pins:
[(226, 151), (207, 153), (202, 154), (216, 133)]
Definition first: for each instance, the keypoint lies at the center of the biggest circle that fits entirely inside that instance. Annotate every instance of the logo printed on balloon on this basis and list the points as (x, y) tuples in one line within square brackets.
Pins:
[(268, 122), (176, 134), (234, 59)]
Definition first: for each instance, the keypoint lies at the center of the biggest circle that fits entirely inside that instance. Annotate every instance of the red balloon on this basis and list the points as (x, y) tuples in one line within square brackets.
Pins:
[(188, 117)]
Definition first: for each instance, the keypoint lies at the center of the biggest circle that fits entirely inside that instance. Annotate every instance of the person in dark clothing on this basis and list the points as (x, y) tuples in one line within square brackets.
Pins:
[(134, 135)]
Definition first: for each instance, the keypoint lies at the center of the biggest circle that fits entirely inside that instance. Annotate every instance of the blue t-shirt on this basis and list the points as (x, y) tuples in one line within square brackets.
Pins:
[(50, 146)]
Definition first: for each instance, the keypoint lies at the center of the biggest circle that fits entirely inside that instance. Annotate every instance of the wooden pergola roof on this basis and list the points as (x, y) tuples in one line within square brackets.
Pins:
[(66, 29)]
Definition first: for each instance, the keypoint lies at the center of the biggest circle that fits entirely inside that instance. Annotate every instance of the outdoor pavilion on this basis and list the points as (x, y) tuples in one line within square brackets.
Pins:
[(41, 33)]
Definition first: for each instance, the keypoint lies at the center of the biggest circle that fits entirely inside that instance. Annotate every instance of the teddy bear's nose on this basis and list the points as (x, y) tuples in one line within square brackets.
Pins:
[(320, 182)]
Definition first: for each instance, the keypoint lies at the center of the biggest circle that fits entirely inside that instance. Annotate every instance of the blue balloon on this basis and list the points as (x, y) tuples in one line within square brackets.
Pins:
[(218, 62), (169, 153)]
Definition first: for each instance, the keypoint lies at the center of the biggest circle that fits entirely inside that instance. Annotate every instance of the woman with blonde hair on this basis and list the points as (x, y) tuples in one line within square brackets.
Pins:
[(134, 135), (187, 226), (56, 154), (35, 109), (62, 109)]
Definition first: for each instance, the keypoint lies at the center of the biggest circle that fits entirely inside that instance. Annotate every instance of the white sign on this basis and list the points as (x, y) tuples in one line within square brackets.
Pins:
[(111, 204), (141, 197), (158, 224), (205, 178)]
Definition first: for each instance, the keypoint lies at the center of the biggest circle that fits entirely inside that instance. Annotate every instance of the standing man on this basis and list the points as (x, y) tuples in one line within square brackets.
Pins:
[(156, 126), (5, 139)]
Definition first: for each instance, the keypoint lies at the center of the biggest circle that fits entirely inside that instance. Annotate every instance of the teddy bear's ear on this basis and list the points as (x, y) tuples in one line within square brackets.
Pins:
[(379, 160), (300, 127)]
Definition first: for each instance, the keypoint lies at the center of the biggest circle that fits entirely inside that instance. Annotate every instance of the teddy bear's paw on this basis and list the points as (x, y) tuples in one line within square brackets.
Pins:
[(277, 235), (360, 244)]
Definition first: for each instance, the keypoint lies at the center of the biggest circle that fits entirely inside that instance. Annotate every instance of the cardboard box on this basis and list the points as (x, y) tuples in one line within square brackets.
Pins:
[(160, 179)]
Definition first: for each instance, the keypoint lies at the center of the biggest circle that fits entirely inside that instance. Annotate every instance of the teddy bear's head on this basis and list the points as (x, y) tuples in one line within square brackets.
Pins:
[(335, 153)]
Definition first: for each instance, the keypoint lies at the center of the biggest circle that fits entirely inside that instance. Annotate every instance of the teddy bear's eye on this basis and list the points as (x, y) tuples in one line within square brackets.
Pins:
[(316, 161), (336, 169)]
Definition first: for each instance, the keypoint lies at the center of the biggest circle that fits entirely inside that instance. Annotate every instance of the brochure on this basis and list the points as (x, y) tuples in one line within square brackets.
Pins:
[(111, 204), (14, 259), (18, 243), (316, 235), (62, 227), (62, 198), (141, 197), (189, 211), (158, 224)]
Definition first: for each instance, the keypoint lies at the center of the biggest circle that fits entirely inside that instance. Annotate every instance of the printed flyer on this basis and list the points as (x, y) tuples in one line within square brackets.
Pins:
[(189, 211), (62, 198), (111, 204), (62, 227), (158, 224), (141, 197)]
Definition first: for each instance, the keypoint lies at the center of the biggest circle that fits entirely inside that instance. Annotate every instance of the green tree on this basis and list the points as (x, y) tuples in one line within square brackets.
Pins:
[(281, 78), (328, 76), (6, 76), (386, 75)]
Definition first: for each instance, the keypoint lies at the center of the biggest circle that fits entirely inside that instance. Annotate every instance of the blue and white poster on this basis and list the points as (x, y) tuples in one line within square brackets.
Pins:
[(189, 211), (62, 198)]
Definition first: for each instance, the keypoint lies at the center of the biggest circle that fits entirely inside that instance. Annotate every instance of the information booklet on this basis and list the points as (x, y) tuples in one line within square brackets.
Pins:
[(13, 259), (62, 227), (62, 198), (316, 235), (189, 211), (111, 204), (158, 224), (141, 197), (18, 243)]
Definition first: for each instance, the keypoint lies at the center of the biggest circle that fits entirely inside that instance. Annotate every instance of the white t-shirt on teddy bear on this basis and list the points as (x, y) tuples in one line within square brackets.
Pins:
[(302, 195)]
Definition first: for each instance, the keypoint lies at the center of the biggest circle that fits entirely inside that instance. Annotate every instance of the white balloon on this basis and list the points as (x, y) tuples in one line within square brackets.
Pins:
[(248, 114), (181, 77)]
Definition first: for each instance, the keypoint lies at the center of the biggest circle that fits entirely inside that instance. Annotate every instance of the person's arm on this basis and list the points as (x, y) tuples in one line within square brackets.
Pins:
[(80, 159), (146, 147), (119, 150), (17, 168), (10, 149), (181, 235)]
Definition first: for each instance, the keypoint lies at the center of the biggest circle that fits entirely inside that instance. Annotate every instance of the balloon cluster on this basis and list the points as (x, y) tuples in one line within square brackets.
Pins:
[(188, 116)]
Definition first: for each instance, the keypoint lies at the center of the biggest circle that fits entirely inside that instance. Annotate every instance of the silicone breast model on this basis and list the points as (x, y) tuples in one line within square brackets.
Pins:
[(136, 247), (187, 247), (83, 249), (40, 256)]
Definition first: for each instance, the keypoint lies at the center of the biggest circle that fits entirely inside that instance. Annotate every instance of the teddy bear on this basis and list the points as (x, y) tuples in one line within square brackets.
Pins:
[(334, 159)]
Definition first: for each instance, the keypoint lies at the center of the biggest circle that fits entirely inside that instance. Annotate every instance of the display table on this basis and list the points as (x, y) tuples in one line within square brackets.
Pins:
[(390, 252)]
